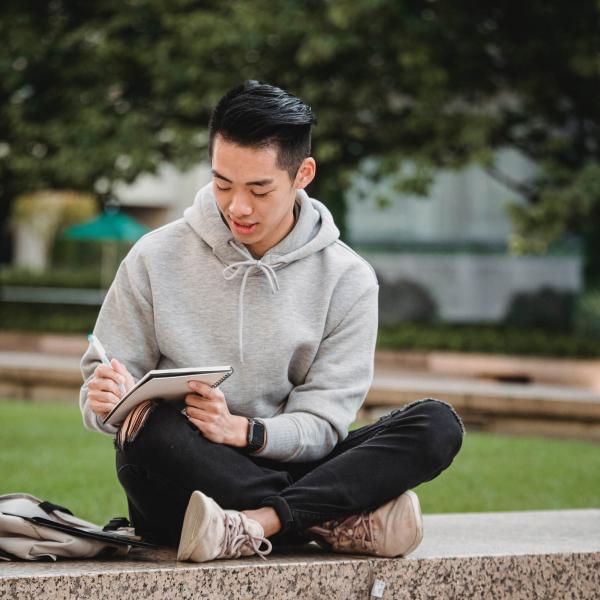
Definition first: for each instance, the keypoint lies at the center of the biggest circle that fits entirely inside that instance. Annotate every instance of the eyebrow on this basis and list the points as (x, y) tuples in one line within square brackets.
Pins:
[(259, 182)]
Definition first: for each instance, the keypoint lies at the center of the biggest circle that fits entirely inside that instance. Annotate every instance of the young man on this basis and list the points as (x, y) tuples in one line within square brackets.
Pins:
[(254, 275)]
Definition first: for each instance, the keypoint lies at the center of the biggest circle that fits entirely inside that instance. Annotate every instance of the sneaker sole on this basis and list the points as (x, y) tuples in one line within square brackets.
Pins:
[(416, 508), (194, 526)]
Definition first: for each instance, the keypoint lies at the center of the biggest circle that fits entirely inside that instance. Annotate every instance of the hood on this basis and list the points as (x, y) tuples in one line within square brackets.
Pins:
[(313, 231)]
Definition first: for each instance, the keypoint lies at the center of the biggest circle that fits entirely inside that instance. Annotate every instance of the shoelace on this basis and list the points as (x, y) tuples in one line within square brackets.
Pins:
[(233, 270), (358, 529), (236, 535)]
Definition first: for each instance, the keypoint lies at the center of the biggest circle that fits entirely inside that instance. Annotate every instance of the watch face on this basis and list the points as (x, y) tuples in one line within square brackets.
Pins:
[(256, 435)]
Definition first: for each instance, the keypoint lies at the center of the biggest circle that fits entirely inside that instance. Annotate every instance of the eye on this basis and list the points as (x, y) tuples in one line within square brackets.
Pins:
[(222, 189), (260, 195)]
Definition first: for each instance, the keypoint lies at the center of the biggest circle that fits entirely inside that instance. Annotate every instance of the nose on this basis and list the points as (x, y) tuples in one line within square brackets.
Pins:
[(240, 205)]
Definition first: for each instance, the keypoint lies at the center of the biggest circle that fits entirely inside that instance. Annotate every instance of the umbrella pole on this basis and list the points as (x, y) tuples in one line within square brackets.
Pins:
[(109, 254)]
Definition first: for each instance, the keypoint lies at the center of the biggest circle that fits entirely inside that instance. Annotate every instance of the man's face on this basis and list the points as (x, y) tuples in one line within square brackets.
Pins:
[(254, 195)]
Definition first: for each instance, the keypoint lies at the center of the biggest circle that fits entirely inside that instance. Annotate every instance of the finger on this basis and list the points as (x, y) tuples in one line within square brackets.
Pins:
[(203, 389), (105, 385), (100, 408), (120, 368), (198, 401), (106, 397), (207, 411), (107, 372), (198, 413), (198, 424)]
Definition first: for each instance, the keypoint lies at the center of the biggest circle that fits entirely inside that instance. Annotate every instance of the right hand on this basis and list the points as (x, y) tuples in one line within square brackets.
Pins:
[(103, 388)]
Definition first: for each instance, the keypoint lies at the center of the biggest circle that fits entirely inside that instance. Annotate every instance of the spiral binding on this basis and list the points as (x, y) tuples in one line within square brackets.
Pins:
[(220, 381)]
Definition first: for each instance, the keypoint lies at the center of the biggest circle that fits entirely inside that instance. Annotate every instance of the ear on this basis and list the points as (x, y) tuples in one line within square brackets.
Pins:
[(306, 173)]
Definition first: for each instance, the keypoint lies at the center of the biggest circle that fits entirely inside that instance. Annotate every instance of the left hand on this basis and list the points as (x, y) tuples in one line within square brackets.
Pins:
[(207, 410)]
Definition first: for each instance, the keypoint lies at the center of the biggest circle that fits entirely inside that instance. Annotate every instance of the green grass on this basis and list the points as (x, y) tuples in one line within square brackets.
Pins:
[(499, 472), (45, 450)]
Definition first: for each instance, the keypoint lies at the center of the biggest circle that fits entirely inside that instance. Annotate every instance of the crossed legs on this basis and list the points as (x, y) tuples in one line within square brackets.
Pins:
[(168, 459)]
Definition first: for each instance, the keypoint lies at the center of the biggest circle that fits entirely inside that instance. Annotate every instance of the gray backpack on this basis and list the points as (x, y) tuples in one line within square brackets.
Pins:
[(32, 529)]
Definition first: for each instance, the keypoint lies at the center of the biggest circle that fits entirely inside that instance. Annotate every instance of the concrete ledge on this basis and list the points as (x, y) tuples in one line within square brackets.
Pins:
[(39, 376), (532, 409), (574, 372), (532, 554)]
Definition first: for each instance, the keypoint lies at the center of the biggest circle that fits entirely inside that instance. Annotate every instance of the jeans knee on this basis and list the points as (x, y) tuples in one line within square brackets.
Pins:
[(445, 431), (130, 476)]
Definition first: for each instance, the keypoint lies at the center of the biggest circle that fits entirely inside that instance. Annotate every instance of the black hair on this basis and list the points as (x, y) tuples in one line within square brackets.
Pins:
[(257, 115)]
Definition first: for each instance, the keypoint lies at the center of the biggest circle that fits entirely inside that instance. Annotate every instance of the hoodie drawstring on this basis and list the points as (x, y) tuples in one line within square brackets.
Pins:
[(232, 271)]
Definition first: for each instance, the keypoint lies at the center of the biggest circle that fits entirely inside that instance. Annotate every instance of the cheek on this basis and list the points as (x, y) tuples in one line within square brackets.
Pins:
[(222, 201)]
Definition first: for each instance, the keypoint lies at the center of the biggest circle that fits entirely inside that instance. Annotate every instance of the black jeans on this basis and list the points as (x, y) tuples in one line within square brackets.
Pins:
[(169, 459)]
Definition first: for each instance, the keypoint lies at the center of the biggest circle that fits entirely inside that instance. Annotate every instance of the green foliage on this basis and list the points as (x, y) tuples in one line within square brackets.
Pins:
[(488, 338), (587, 316), (47, 317), (568, 202), (67, 278), (583, 342), (44, 450), (99, 92)]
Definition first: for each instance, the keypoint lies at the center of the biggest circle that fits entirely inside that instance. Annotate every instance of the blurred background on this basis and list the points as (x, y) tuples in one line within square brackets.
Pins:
[(458, 146)]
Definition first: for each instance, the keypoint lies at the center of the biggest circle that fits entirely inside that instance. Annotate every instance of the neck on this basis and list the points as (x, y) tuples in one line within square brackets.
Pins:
[(259, 250)]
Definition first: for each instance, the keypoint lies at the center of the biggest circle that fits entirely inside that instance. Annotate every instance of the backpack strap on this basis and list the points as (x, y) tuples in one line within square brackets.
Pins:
[(49, 507), (116, 523)]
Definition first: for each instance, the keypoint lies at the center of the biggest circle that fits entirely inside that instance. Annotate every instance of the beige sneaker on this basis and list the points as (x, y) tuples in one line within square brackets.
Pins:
[(394, 529), (210, 532)]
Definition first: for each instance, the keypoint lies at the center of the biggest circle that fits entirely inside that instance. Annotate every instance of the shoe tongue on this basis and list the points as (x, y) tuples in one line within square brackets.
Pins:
[(254, 528)]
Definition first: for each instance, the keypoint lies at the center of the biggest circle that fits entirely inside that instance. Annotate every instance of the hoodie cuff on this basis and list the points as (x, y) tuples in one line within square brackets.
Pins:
[(110, 429), (283, 438), (93, 422)]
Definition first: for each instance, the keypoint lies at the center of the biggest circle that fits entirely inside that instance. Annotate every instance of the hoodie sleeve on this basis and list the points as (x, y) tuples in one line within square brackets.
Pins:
[(319, 411), (125, 327)]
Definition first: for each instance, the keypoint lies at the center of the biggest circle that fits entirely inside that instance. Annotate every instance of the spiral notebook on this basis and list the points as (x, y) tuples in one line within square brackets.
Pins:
[(168, 384)]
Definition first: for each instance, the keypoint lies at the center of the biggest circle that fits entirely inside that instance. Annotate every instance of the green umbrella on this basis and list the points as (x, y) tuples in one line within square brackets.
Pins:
[(110, 227)]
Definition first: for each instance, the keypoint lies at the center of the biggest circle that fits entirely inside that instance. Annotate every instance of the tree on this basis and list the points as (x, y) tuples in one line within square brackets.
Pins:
[(98, 92)]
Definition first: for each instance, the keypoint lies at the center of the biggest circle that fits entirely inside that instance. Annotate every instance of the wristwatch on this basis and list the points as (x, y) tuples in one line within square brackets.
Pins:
[(256, 435)]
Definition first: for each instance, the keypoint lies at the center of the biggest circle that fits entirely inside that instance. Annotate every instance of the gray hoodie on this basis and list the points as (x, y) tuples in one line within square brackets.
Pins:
[(298, 326)]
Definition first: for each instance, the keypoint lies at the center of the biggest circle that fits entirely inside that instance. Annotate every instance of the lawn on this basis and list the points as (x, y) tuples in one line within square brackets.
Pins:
[(45, 450)]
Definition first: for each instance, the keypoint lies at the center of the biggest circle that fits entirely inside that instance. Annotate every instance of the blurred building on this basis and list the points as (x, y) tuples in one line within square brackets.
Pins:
[(157, 199), (440, 257), (445, 256)]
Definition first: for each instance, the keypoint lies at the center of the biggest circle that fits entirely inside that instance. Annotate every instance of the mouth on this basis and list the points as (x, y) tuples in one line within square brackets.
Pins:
[(243, 228)]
